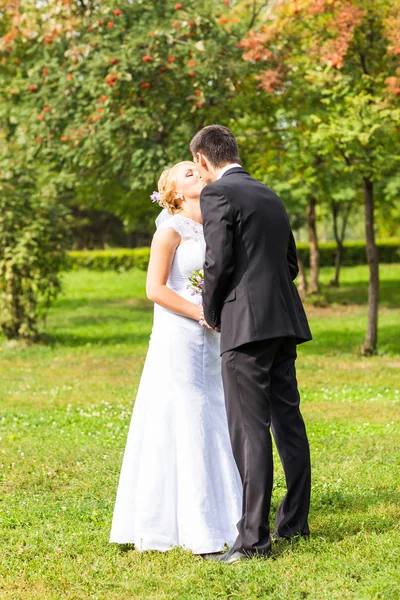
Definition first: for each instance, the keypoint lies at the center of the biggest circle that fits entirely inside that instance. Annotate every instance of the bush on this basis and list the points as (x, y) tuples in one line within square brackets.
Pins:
[(124, 259), (32, 252), (354, 253), (110, 260)]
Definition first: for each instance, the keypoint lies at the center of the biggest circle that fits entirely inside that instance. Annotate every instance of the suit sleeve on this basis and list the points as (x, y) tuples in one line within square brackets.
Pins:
[(218, 226), (292, 258)]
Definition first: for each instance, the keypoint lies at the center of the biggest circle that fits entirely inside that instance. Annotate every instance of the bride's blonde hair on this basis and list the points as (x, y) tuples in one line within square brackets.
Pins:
[(167, 189)]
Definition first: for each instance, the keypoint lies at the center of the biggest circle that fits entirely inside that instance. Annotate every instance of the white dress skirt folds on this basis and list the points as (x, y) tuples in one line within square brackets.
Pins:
[(179, 484)]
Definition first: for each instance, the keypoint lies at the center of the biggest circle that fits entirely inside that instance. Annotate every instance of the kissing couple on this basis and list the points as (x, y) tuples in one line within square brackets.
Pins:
[(220, 369)]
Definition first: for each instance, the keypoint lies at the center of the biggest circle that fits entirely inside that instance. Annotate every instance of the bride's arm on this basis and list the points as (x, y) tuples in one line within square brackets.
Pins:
[(165, 243)]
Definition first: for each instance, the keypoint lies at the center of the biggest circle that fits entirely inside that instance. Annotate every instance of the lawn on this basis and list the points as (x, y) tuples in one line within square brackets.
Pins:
[(64, 413)]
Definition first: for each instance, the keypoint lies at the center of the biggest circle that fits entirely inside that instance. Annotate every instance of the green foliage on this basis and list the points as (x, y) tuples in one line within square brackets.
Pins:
[(354, 253), (112, 104), (124, 260), (32, 253), (110, 260)]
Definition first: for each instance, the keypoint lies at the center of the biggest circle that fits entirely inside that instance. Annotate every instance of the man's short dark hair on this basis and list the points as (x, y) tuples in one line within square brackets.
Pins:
[(218, 145)]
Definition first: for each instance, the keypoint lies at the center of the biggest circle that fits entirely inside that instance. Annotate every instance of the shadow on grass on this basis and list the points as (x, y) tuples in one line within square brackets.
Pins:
[(72, 304), (343, 500), (336, 341), (82, 322), (124, 548), (344, 509), (74, 341), (339, 515), (356, 292)]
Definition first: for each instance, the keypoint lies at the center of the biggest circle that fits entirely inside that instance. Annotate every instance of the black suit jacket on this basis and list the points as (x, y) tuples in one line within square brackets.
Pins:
[(250, 263)]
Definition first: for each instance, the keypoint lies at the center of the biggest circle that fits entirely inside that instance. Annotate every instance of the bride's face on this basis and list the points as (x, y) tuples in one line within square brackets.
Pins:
[(188, 181)]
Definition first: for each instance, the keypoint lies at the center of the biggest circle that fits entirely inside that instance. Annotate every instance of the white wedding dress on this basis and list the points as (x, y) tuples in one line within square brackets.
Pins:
[(179, 484)]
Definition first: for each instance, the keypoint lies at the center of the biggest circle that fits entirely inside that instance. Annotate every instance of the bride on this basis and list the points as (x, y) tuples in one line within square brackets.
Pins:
[(179, 484)]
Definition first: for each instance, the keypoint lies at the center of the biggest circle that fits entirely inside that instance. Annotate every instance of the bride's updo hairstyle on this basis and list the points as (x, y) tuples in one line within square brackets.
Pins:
[(167, 190)]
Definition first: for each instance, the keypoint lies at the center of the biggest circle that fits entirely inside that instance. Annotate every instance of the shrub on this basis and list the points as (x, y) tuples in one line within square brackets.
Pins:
[(110, 260), (125, 259), (32, 252), (353, 252)]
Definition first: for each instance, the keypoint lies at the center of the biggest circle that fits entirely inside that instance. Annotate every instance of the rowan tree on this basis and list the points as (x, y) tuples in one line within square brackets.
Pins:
[(344, 54)]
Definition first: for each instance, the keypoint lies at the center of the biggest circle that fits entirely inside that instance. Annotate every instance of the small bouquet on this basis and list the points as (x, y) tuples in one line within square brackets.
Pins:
[(196, 282)]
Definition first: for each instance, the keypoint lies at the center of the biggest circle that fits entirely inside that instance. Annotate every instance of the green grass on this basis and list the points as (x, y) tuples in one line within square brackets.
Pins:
[(64, 413)]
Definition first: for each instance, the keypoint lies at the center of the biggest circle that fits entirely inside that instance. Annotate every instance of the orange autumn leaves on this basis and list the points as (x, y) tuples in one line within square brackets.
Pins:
[(321, 30)]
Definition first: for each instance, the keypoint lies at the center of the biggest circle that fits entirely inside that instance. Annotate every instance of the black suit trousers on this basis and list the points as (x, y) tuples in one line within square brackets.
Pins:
[(261, 394)]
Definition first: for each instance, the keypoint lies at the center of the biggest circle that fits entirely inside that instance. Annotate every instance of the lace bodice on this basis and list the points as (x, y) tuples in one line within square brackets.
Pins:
[(189, 255), (187, 228)]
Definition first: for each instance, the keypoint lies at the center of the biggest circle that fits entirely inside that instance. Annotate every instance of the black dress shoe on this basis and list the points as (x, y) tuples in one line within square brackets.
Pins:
[(211, 555), (232, 556), (235, 555)]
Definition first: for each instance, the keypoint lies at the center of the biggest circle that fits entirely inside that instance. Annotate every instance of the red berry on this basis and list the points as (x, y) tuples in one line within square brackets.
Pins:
[(39, 140), (64, 139), (70, 76), (33, 88), (178, 6), (192, 74), (147, 58), (41, 116), (145, 85), (117, 12), (111, 79), (171, 59), (48, 40), (110, 24), (46, 108)]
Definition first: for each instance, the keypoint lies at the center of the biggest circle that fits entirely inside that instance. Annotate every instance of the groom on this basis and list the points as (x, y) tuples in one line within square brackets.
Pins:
[(249, 293)]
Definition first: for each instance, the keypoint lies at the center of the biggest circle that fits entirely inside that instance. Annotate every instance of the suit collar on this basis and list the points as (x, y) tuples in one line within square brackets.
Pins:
[(234, 170)]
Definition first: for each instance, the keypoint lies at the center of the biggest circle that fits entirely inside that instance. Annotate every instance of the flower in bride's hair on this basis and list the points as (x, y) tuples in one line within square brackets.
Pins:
[(155, 197)]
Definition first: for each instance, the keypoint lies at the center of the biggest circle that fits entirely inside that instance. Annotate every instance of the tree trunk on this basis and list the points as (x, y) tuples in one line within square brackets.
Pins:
[(371, 337), (338, 261), (313, 243), (301, 278), (339, 237)]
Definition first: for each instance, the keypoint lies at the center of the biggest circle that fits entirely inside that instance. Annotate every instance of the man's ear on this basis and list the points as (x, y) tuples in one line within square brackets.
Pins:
[(203, 161)]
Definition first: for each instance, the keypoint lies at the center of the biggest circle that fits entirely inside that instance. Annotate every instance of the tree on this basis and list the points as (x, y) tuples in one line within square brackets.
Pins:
[(110, 96), (341, 205), (33, 245), (345, 54)]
